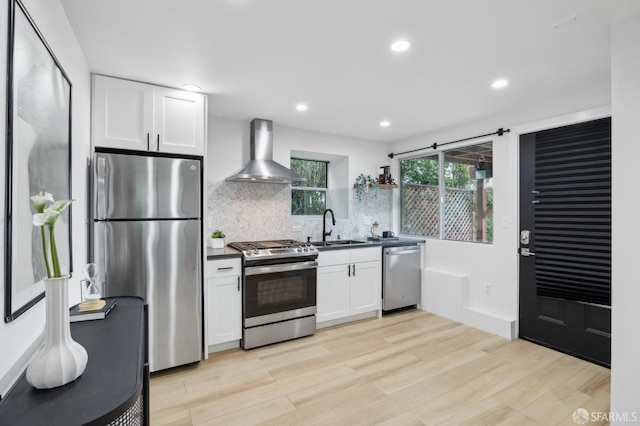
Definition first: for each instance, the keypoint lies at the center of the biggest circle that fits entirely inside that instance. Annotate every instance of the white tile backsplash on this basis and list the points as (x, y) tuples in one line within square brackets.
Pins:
[(262, 211)]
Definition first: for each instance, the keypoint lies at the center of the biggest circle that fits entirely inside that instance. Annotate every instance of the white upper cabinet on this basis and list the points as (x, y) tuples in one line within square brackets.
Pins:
[(143, 117), (122, 113), (179, 121)]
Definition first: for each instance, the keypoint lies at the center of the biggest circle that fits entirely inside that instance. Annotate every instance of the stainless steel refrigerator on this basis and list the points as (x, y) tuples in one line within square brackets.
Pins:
[(147, 242)]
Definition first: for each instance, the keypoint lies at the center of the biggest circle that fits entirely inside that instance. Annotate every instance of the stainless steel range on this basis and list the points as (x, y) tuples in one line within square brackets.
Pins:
[(279, 291)]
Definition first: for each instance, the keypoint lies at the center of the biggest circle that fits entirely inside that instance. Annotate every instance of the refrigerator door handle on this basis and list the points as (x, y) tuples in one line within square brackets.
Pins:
[(102, 188), (101, 254)]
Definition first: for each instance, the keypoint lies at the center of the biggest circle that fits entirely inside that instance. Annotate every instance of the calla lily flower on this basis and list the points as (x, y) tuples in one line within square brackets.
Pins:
[(59, 206), (40, 201), (47, 217)]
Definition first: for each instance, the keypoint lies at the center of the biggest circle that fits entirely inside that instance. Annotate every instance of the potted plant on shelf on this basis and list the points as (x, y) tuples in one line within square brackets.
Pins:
[(217, 239), (365, 185)]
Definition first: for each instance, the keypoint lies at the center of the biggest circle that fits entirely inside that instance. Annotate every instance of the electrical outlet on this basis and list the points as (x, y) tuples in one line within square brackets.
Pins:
[(487, 289), (505, 221), (297, 228)]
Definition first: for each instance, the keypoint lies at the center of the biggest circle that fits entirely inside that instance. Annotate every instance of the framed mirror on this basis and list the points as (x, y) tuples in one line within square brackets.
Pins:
[(38, 158)]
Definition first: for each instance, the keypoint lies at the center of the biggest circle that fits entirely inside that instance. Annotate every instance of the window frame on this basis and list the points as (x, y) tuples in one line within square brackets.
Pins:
[(312, 188), (441, 192)]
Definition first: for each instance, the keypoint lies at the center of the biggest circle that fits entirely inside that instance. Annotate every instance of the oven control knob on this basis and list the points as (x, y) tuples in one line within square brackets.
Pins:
[(255, 251), (300, 249), (247, 252)]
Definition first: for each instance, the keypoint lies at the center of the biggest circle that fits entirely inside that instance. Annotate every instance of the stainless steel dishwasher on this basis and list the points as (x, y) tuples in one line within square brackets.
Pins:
[(401, 277)]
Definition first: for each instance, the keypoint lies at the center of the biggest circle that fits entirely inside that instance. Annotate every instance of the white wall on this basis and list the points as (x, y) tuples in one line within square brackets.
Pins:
[(494, 264), (456, 272), (625, 96), (249, 211), (228, 148), (17, 337)]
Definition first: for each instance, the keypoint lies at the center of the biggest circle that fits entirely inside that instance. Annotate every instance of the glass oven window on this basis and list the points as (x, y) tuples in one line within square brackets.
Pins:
[(279, 292)]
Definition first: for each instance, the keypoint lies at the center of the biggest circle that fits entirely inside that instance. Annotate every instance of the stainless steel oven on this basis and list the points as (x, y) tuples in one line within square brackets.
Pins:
[(279, 292)]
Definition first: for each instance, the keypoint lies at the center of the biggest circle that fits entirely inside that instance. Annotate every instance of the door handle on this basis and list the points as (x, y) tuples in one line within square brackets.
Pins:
[(158, 147), (238, 283), (354, 270), (524, 251), (409, 251), (147, 141), (348, 270), (101, 187)]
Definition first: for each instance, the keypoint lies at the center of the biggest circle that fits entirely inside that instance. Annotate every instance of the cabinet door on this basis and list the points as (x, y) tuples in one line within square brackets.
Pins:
[(179, 126), (224, 309), (332, 292), (122, 113), (366, 288)]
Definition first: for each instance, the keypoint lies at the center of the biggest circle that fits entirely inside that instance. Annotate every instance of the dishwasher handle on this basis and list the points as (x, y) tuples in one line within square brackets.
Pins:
[(393, 251)]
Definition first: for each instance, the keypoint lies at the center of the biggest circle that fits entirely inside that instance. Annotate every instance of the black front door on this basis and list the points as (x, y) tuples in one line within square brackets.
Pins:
[(565, 239)]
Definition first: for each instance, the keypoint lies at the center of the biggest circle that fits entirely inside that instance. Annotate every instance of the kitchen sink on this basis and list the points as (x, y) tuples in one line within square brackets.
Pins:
[(338, 243), (345, 242)]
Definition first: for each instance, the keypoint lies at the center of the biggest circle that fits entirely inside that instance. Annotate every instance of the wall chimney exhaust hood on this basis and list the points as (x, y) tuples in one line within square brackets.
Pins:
[(262, 168)]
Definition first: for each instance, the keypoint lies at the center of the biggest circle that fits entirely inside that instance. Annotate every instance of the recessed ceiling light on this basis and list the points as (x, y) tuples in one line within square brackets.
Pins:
[(191, 87), (499, 84), (400, 45), (385, 123), (302, 107)]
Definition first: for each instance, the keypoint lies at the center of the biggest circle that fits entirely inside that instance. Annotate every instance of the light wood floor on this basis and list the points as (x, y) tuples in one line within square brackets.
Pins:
[(409, 368)]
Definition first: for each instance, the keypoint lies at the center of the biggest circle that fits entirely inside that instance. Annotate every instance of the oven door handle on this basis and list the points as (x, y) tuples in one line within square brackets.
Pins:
[(271, 269)]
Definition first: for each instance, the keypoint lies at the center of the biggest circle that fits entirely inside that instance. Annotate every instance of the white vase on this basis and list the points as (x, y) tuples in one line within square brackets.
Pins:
[(216, 242), (60, 360)]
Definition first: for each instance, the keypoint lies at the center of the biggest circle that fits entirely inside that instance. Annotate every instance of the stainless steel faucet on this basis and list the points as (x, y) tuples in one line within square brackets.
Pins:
[(325, 234)]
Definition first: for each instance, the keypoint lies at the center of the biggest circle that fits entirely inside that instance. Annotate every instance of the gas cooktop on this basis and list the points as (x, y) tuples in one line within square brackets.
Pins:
[(274, 249)]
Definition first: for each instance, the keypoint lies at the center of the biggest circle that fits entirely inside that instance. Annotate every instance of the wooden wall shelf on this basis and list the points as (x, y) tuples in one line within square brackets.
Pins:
[(383, 186)]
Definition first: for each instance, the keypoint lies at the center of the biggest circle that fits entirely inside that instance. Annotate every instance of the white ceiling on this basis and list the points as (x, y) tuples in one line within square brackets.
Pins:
[(259, 58)]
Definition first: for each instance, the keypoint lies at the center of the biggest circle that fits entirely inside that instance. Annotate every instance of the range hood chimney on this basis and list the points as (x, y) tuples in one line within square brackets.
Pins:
[(262, 168)]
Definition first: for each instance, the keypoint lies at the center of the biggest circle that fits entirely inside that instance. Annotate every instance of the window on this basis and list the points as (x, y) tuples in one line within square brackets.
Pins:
[(310, 197), (420, 213), (449, 195)]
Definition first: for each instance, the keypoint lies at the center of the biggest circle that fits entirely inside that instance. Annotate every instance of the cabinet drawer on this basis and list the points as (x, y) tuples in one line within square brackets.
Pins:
[(367, 254), (334, 257), (223, 267)]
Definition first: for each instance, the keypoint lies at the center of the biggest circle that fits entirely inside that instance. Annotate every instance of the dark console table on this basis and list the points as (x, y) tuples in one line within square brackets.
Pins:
[(114, 387)]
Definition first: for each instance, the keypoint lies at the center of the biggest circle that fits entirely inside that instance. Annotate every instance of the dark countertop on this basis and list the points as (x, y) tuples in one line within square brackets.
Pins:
[(222, 253), (401, 241), (228, 252), (382, 242)]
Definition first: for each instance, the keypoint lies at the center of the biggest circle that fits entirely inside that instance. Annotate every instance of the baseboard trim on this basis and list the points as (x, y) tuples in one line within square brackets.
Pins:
[(14, 373), (219, 347), (345, 320)]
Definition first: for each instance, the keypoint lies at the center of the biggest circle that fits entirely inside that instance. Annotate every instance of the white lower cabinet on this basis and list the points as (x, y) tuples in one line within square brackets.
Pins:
[(349, 282), (224, 304), (333, 292), (366, 288)]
